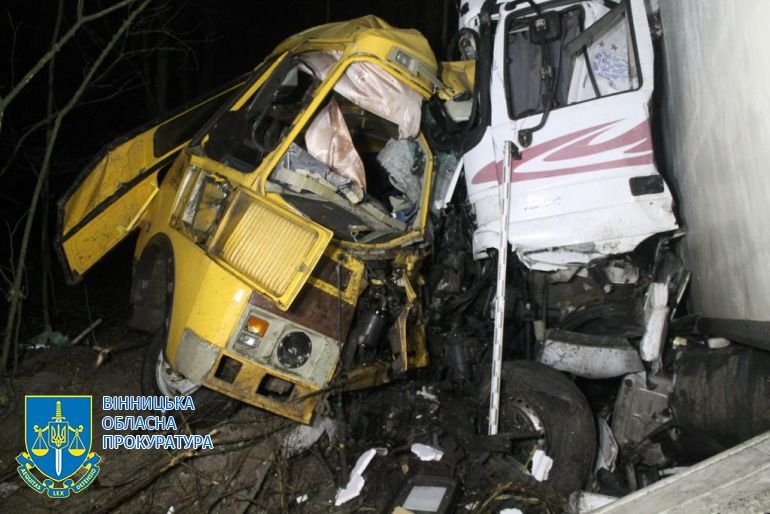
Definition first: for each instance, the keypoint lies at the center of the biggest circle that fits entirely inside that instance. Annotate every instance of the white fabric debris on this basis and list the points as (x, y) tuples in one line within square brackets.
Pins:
[(328, 140), (426, 453), (303, 437), (356, 481), (541, 465), (608, 447), (371, 87), (424, 393)]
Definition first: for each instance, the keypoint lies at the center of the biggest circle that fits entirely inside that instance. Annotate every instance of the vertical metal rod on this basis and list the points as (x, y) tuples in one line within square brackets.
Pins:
[(502, 264)]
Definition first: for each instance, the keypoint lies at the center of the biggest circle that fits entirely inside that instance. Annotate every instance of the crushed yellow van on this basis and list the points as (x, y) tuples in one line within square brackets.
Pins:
[(260, 229)]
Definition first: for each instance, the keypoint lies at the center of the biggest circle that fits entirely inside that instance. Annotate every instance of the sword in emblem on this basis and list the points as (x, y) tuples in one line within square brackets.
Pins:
[(58, 462), (58, 435)]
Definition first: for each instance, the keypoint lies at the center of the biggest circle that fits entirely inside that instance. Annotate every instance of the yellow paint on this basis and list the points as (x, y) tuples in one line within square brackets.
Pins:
[(114, 189), (270, 248), (262, 245), (458, 77), (88, 244)]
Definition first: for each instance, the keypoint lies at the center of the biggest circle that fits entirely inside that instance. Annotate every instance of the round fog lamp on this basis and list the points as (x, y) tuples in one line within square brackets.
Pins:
[(294, 349)]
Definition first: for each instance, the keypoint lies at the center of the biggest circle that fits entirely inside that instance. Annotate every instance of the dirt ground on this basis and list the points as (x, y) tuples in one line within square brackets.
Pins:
[(250, 468), (243, 472)]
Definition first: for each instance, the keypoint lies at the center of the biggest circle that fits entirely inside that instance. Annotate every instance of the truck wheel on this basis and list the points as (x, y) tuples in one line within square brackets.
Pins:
[(159, 379), (536, 397)]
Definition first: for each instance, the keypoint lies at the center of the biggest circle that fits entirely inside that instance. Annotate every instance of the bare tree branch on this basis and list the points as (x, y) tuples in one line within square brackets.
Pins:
[(15, 304), (45, 59), (20, 142)]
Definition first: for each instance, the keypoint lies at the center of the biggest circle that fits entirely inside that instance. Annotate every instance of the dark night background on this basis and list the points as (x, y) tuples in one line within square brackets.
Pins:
[(173, 53)]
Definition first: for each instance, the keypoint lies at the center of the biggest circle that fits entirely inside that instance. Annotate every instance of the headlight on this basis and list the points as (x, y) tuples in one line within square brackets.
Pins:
[(201, 204), (281, 344), (294, 349), (269, 247)]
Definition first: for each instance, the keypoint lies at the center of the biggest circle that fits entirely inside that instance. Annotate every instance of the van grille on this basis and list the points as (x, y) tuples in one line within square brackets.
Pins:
[(267, 247)]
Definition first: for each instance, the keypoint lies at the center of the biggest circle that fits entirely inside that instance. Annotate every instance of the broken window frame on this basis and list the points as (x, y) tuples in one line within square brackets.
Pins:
[(254, 102), (392, 234), (518, 22)]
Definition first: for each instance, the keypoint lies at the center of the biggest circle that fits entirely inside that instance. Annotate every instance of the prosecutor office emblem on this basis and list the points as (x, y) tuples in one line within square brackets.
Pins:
[(58, 440)]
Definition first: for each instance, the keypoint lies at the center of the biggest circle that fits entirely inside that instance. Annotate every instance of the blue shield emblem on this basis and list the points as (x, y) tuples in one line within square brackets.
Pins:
[(58, 440)]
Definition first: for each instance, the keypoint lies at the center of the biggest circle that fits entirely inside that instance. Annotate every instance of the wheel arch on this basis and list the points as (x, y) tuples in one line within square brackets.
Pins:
[(152, 285)]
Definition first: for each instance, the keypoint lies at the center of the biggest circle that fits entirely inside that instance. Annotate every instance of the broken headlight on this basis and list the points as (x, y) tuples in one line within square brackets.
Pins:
[(294, 349), (201, 204), (270, 248)]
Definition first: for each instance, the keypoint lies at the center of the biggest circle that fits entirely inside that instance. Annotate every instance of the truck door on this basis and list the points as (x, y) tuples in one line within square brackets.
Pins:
[(571, 87)]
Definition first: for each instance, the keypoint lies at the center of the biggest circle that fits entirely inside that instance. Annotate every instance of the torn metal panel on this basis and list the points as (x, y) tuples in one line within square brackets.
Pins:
[(638, 410), (589, 356), (737, 480), (581, 148), (656, 321)]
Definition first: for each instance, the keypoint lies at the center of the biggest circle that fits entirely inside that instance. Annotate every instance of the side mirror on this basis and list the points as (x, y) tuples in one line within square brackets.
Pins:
[(545, 28)]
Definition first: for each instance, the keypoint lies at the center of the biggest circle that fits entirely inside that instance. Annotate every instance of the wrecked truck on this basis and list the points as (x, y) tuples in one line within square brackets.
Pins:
[(343, 215)]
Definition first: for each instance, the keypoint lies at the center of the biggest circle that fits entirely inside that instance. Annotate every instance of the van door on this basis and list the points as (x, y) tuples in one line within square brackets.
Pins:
[(110, 196)]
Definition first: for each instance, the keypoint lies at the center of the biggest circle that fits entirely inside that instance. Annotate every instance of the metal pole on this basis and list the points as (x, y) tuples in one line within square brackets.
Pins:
[(502, 264)]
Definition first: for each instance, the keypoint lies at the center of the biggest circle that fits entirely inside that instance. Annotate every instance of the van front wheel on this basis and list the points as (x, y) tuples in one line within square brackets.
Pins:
[(160, 379)]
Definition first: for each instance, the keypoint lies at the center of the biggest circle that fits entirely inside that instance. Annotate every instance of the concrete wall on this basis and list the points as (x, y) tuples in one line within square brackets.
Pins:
[(717, 131)]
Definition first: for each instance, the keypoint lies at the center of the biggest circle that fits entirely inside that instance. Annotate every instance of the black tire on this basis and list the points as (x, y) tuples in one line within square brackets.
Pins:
[(533, 394), (211, 407)]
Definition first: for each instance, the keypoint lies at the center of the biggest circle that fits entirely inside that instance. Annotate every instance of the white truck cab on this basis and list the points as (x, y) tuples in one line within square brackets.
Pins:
[(569, 83)]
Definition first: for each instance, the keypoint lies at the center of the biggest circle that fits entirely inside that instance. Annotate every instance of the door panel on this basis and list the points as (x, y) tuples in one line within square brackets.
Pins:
[(110, 196)]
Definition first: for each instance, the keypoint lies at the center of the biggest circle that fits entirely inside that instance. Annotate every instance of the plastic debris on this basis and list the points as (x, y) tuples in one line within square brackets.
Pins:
[(718, 342), (427, 453), (424, 393), (541, 465), (608, 447), (583, 501), (302, 437), (356, 481), (302, 499), (511, 511), (667, 472), (48, 339)]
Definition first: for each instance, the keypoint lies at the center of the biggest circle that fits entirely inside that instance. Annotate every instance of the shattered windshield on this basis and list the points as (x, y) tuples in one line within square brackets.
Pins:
[(242, 137), (357, 167), (570, 64)]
